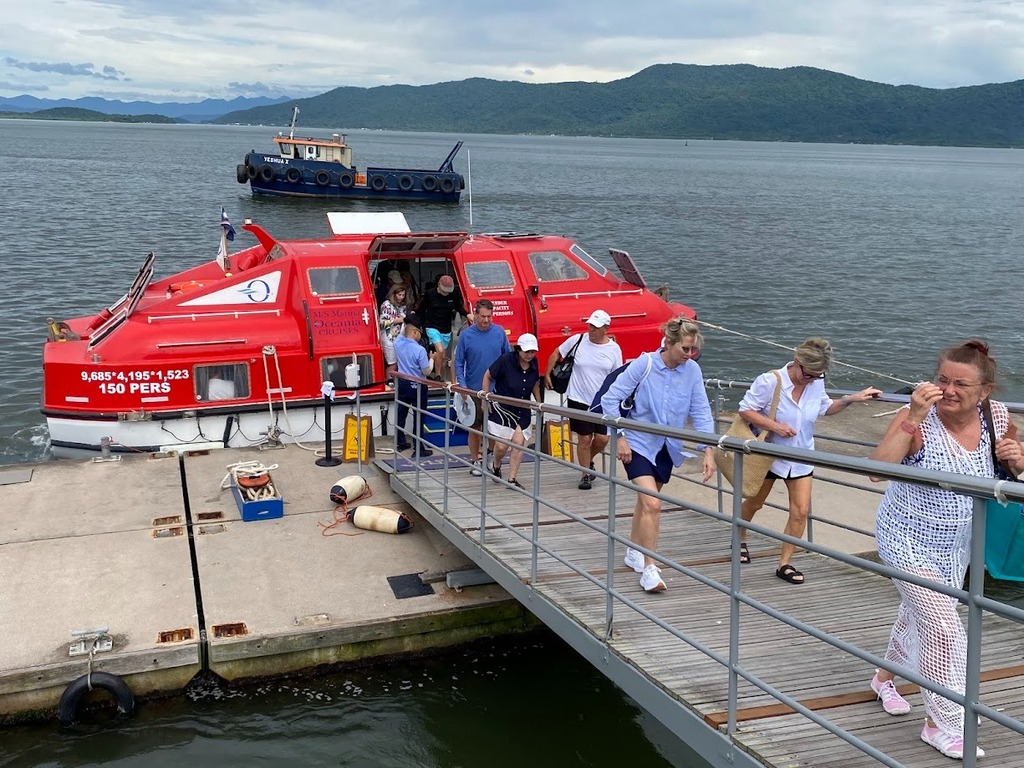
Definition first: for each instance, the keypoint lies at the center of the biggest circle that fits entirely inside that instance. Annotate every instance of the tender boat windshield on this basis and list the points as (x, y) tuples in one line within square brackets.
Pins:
[(587, 259)]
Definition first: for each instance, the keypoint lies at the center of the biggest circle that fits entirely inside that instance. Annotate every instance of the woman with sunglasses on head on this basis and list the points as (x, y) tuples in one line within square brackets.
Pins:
[(926, 530), (801, 402), (669, 389)]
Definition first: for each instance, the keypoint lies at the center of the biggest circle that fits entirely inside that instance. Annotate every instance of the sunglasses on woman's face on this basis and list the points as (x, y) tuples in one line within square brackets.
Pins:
[(810, 374)]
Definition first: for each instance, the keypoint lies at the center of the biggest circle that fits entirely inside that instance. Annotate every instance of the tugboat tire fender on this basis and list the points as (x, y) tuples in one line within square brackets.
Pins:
[(241, 173), (267, 172), (252, 171), (378, 183), (405, 182), (67, 709), (346, 179), (322, 178), (293, 175), (447, 186), (429, 183)]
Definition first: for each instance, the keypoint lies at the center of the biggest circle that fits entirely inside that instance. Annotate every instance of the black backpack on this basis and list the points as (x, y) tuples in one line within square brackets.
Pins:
[(626, 407)]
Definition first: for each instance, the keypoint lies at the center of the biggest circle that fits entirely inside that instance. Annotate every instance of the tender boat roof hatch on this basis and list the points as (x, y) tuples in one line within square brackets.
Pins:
[(376, 223), (433, 243), (630, 272)]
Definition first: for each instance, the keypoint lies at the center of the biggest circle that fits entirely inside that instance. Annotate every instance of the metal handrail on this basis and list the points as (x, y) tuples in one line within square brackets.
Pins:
[(979, 488)]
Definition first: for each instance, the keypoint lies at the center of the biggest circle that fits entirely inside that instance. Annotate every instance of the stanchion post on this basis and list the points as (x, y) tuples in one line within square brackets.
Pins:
[(328, 460)]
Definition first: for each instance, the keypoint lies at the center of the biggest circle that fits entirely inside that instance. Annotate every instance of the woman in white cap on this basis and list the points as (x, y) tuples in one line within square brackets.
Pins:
[(595, 355), (514, 374)]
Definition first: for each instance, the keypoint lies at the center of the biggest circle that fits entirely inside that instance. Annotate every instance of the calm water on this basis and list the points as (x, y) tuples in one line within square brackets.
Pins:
[(891, 252)]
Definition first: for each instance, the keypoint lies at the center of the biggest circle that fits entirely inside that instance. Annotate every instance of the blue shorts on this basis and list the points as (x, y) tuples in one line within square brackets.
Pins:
[(640, 466), (436, 337)]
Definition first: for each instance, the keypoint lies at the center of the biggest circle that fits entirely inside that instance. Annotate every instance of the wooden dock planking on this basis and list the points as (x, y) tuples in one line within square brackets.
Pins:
[(854, 605)]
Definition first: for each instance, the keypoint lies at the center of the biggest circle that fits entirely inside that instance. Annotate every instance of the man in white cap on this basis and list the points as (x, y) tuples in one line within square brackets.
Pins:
[(595, 355), (514, 374)]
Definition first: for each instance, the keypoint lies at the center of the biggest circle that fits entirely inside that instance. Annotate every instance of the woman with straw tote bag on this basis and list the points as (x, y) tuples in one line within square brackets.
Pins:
[(755, 466)]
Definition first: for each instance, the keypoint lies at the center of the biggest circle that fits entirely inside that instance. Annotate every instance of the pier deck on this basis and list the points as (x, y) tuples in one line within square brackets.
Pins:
[(89, 544), (854, 605)]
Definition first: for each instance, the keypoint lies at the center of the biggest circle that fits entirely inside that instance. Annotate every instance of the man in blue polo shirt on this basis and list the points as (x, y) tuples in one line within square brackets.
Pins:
[(480, 344), (412, 360)]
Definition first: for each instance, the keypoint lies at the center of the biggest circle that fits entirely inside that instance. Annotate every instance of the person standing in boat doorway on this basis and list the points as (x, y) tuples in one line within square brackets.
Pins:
[(392, 320), (479, 345), (950, 425), (668, 390), (801, 402), (438, 308), (412, 360), (595, 355)]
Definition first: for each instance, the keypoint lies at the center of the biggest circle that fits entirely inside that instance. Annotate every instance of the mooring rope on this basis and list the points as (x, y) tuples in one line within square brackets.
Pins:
[(771, 343)]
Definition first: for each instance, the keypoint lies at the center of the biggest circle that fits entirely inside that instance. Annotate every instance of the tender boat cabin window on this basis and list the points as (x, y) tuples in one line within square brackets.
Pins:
[(333, 369), (229, 381), (490, 274), (334, 281), (552, 266), (589, 260)]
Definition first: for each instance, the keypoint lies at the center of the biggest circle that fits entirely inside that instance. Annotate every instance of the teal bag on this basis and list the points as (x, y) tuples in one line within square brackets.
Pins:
[(1004, 540)]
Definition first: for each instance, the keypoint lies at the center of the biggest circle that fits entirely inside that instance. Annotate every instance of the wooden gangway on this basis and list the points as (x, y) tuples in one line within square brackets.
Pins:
[(551, 545)]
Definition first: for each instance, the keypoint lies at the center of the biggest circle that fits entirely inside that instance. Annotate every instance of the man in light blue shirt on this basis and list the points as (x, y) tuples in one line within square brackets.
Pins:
[(480, 344), (412, 360)]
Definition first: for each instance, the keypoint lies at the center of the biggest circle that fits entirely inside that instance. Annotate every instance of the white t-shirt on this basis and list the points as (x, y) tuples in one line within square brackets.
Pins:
[(593, 363)]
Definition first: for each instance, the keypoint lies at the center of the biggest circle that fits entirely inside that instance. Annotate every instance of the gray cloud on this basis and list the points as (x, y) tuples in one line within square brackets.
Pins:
[(66, 68)]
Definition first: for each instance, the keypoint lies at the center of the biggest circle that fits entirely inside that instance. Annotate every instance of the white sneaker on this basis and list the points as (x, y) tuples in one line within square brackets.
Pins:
[(650, 579), (634, 560), (476, 469), (892, 702), (947, 743)]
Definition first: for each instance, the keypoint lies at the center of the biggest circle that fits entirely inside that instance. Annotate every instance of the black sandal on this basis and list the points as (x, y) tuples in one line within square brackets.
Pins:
[(788, 573), (744, 553)]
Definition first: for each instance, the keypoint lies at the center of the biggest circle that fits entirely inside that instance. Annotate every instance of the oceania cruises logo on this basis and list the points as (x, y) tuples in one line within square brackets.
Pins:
[(256, 290)]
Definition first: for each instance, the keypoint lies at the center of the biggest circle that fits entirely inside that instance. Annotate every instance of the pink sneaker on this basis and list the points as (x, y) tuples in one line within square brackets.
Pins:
[(949, 744), (892, 702)]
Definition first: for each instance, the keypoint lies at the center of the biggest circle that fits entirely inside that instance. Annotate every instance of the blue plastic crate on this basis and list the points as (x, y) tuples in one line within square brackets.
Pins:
[(434, 425), (1004, 540), (263, 509)]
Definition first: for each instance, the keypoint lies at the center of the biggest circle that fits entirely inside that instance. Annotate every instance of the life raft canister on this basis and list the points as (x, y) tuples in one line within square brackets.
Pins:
[(371, 518)]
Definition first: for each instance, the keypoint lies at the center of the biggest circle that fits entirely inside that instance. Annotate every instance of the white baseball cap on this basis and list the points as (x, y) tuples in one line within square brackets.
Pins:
[(599, 318), (528, 342)]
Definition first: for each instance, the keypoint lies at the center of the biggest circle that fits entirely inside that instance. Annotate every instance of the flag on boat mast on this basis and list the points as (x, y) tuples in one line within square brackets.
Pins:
[(227, 233)]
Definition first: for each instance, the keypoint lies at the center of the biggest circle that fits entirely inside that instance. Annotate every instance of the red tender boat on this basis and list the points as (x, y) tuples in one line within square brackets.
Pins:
[(236, 350)]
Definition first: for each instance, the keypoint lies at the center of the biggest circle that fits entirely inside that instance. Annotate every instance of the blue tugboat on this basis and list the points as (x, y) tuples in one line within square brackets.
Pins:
[(306, 167)]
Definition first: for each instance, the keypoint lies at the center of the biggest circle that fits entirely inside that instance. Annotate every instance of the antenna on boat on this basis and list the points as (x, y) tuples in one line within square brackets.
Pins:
[(469, 175), (295, 116)]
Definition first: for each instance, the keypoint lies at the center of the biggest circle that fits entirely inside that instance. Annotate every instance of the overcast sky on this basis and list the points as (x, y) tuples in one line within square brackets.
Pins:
[(188, 50)]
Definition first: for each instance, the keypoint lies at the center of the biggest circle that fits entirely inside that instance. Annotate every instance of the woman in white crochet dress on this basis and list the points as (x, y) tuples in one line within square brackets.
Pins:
[(927, 530)]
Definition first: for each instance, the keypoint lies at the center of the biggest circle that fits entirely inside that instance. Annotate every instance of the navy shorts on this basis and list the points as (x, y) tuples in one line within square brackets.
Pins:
[(581, 427), (640, 466)]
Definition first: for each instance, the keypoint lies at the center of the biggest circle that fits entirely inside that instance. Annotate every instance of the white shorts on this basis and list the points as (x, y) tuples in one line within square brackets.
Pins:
[(500, 430), (389, 349)]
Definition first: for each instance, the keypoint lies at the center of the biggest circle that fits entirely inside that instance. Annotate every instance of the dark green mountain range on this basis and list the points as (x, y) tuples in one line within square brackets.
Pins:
[(680, 101), (74, 113)]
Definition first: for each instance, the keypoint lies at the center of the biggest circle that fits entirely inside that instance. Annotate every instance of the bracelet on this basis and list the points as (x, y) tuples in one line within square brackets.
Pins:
[(910, 429)]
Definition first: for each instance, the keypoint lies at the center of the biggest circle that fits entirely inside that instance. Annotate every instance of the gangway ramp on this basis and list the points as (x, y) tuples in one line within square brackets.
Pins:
[(559, 551)]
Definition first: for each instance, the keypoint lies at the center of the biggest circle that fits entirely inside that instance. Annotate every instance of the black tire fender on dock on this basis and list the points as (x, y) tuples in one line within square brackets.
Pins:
[(378, 183), (241, 173), (405, 182), (346, 179), (267, 172), (293, 175), (447, 186), (322, 178), (67, 709), (429, 183)]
